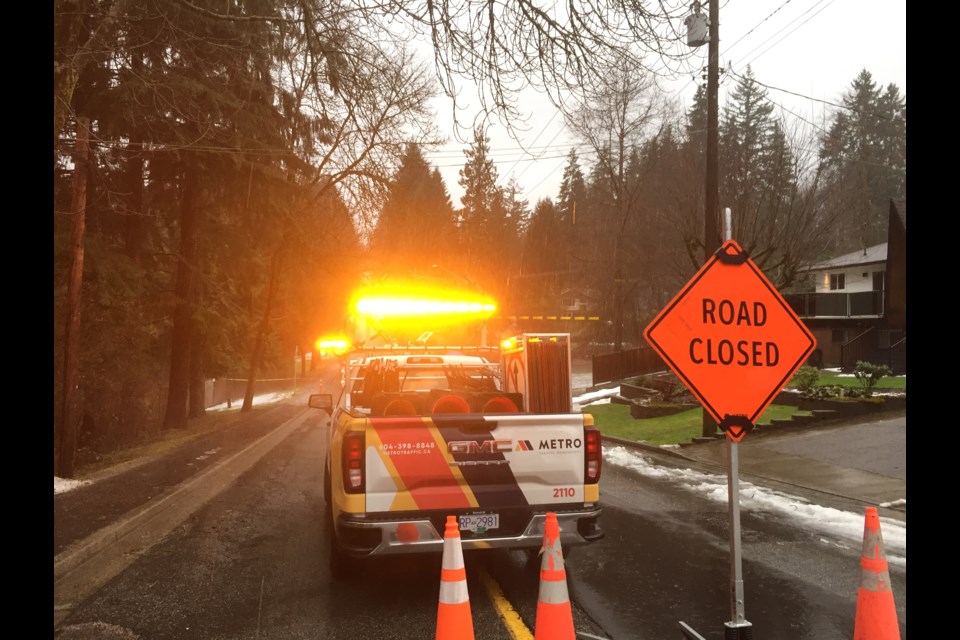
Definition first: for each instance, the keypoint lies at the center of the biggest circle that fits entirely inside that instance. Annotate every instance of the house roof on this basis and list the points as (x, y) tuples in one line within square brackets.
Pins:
[(870, 255)]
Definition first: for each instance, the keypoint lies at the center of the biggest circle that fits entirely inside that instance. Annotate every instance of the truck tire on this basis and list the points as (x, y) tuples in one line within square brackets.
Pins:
[(326, 485), (343, 568)]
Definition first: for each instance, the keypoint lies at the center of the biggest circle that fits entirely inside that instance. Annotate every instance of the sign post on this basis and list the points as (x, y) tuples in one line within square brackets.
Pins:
[(734, 342)]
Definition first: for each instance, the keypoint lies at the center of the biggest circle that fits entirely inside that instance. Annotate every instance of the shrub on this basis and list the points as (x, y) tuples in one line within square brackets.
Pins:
[(869, 374), (806, 378), (823, 392)]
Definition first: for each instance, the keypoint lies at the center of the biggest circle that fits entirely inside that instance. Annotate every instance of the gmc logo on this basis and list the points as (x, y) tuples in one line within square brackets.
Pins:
[(487, 446)]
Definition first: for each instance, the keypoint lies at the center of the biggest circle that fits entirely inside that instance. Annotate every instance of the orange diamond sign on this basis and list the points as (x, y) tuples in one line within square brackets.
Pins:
[(731, 338)]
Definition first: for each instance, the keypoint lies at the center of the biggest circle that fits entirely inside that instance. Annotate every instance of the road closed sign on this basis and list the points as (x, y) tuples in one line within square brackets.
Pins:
[(732, 339)]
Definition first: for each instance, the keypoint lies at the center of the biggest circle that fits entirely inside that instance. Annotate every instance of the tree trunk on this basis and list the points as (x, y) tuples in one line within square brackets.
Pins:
[(133, 236), (198, 405), (257, 355), (176, 412), (70, 414)]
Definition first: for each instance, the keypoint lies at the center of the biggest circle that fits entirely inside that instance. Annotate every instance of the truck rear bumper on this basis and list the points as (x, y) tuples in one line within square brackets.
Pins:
[(366, 536)]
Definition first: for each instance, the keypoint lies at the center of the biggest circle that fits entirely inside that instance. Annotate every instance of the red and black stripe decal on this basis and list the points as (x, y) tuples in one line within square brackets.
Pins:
[(493, 485)]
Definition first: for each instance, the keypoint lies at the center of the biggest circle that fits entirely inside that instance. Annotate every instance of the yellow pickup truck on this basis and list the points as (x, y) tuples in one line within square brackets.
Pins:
[(419, 434)]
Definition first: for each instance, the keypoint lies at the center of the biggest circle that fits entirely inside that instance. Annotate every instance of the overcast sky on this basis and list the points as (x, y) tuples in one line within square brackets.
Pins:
[(814, 48)]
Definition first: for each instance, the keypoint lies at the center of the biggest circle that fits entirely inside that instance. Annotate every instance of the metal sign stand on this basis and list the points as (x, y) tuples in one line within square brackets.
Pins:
[(737, 628)]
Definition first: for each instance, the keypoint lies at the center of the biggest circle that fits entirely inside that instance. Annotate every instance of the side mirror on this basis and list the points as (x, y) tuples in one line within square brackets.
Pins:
[(321, 401)]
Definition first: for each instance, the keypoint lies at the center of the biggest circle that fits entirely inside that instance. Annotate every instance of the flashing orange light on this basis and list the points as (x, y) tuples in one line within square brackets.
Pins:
[(419, 302), (508, 344), (336, 345), (414, 307)]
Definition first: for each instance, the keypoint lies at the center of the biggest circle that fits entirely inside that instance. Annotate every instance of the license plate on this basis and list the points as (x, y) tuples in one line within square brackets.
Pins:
[(479, 522)]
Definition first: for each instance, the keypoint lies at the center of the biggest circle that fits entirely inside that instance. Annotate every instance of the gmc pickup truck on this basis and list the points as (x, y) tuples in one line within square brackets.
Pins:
[(419, 434)]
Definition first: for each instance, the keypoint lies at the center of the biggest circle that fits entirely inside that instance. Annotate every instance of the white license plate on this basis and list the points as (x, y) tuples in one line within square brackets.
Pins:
[(479, 522)]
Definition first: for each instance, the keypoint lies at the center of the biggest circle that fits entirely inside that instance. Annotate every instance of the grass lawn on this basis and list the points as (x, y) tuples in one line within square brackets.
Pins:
[(615, 420), (848, 380)]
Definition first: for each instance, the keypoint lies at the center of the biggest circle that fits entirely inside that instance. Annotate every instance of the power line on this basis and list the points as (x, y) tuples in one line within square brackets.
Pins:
[(757, 26), (788, 33), (826, 102), (549, 122), (740, 39), (555, 136)]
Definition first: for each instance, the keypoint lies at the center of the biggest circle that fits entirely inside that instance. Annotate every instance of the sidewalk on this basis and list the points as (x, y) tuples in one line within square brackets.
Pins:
[(810, 458)]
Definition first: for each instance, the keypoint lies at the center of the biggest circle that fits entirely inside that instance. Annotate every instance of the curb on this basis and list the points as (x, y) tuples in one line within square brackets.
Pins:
[(652, 448)]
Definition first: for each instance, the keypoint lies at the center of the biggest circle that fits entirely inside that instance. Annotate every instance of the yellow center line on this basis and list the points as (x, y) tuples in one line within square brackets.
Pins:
[(511, 619)]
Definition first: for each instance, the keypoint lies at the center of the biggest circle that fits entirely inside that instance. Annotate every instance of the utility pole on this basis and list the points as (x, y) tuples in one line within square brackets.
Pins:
[(711, 234)]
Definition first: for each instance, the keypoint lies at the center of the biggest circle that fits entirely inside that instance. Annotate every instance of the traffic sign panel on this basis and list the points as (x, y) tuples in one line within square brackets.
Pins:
[(731, 338)]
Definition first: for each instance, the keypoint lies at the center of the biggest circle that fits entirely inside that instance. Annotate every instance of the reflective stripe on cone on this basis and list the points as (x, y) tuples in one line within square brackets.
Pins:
[(876, 611), (554, 615)]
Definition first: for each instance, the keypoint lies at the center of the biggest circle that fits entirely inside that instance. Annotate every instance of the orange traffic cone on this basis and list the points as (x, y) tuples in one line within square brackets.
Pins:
[(876, 611), (554, 616), (453, 612)]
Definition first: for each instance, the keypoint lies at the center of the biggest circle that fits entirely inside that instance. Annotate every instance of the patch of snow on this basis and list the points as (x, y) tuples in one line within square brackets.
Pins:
[(895, 503), (261, 399), (61, 485), (845, 526), (600, 396)]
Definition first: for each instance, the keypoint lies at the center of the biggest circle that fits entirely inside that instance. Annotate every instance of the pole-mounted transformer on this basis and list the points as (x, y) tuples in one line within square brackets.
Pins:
[(696, 24)]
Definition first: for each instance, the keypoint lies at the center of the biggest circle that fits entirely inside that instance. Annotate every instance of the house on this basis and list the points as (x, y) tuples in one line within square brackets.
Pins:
[(578, 301), (855, 304)]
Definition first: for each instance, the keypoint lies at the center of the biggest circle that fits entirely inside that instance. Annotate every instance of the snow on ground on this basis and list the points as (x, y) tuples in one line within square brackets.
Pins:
[(60, 485), (266, 398), (845, 528), (601, 396)]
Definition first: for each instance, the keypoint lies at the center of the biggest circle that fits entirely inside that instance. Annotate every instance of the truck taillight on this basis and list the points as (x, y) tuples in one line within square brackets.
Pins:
[(352, 463), (593, 460)]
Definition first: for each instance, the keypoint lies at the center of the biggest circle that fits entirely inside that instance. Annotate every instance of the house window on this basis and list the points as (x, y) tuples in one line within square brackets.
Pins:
[(878, 281), (837, 281)]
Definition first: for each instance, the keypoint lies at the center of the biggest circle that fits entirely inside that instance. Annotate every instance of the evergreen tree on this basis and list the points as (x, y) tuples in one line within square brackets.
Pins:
[(745, 132), (536, 287), (484, 229), (572, 209), (573, 189), (221, 130), (416, 224), (864, 156)]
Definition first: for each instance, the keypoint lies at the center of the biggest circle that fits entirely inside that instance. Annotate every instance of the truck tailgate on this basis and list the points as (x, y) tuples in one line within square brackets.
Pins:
[(474, 461)]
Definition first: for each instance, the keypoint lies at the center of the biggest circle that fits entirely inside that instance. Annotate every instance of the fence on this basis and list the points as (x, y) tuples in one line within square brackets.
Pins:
[(618, 365), (231, 390), (864, 347)]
